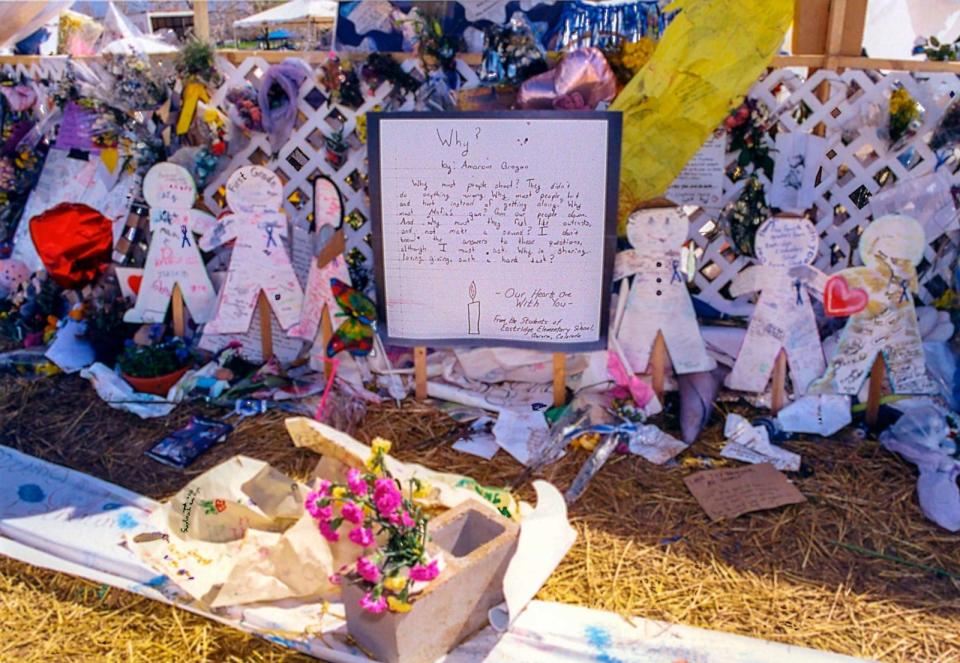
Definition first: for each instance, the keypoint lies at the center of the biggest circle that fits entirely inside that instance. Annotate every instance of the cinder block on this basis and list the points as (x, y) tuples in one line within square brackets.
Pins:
[(477, 545)]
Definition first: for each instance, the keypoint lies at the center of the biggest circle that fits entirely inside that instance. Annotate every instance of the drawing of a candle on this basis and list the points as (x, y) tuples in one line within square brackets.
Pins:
[(473, 310)]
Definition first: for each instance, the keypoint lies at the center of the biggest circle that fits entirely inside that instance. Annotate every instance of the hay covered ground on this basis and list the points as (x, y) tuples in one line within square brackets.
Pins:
[(855, 570)]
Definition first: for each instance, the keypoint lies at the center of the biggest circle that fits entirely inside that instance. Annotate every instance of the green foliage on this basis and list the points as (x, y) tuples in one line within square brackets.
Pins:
[(151, 361)]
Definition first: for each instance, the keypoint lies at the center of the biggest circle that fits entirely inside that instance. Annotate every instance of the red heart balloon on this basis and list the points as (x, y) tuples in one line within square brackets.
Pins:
[(134, 281), (74, 241), (840, 300)]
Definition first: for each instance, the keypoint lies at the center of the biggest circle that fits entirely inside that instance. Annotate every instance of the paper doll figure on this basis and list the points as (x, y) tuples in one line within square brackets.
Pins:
[(783, 317), (173, 257), (878, 298), (329, 264), (259, 262), (658, 300)]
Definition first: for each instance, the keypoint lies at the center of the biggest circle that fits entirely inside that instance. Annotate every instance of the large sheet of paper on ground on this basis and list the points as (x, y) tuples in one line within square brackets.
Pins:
[(495, 229)]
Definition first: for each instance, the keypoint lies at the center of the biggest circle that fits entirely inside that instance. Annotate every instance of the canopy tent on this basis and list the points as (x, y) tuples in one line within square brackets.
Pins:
[(317, 12)]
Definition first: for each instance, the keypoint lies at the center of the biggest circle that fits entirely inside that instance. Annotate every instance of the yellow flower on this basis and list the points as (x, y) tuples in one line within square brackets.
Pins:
[(381, 445), (396, 605), (423, 491), (338, 492), (395, 583)]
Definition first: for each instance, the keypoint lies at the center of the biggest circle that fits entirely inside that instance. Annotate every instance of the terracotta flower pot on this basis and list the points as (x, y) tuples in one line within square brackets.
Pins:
[(158, 385), (477, 545)]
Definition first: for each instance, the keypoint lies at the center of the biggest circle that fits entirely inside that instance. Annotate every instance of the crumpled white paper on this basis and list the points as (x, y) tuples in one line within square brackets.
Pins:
[(751, 444)]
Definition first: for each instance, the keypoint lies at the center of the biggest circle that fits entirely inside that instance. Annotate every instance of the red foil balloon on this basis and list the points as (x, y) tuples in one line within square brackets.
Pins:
[(74, 242)]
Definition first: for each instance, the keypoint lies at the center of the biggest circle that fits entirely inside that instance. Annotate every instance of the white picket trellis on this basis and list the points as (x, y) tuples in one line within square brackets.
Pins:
[(855, 163)]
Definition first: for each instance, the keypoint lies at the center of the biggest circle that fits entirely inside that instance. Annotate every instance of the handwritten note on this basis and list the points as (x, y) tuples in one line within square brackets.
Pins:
[(795, 170), (701, 180), (494, 231), (727, 494)]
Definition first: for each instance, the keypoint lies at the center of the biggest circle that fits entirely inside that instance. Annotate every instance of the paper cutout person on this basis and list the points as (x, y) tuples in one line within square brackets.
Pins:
[(783, 317), (878, 297), (327, 265), (173, 257), (658, 299), (259, 261)]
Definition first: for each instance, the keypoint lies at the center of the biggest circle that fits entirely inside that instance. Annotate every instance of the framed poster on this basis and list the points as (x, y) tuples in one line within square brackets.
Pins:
[(494, 228)]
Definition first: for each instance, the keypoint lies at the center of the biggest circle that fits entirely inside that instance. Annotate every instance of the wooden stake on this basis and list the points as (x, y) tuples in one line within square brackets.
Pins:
[(176, 303), (201, 19), (326, 333), (420, 372), (559, 379), (266, 331), (873, 391), (658, 365), (779, 379)]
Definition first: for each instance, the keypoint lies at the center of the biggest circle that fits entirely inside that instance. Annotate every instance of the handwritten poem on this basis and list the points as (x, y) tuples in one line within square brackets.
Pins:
[(494, 229)]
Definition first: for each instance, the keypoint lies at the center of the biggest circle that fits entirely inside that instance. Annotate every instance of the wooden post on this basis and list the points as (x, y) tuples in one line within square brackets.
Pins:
[(420, 372), (266, 331), (658, 365), (873, 391), (326, 333), (779, 379), (176, 304), (201, 19), (559, 379)]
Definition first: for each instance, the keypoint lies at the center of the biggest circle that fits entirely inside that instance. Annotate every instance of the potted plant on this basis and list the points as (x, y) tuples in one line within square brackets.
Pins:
[(412, 576), (153, 369), (105, 329), (337, 148)]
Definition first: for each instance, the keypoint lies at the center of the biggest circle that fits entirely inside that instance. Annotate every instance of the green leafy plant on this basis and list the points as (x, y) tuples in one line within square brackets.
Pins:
[(150, 361), (196, 60)]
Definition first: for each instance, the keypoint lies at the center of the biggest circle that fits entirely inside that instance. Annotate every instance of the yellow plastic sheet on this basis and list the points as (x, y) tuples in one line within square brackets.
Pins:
[(708, 58)]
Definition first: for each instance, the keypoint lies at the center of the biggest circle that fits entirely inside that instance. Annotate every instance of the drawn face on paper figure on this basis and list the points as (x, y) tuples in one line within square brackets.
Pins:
[(169, 186), (661, 228), (786, 242), (892, 239), (254, 189)]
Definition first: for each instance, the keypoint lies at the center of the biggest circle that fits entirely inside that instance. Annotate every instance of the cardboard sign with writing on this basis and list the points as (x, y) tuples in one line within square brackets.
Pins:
[(730, 493), (489, 229)]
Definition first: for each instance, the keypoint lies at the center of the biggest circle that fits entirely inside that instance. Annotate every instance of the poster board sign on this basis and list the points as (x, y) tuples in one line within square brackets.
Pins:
[(494, 228)]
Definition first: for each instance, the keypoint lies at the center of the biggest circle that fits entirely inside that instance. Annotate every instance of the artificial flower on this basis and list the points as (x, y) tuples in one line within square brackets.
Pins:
[(421, 573), (328, 531), (398, 605), (352, 512), (368, 570), (362, 536), (356, 482), (373, 604)]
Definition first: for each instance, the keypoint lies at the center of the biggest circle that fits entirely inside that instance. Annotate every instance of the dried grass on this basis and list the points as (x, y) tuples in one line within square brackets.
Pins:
[(644, 546)]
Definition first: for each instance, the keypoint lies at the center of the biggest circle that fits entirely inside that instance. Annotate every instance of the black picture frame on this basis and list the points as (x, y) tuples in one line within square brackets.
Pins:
[(613, 122)]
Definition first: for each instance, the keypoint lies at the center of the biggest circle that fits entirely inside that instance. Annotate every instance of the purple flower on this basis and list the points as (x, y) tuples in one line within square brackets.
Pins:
[(356, 482), (406, 520), (362, 536), (421, 573), (352, 512), (386, 495), (368, 570), (374, 605)]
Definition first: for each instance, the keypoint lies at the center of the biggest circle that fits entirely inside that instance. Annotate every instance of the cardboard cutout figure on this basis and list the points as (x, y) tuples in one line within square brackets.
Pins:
[(328, 264), (658, 299), (783, 317), (259, 261), (878, 297), (173, 257)]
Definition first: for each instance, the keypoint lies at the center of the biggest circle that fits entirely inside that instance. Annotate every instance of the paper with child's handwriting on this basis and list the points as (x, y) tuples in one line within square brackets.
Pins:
[(729, 493), (701, 180), (795, 171), (493, 230)]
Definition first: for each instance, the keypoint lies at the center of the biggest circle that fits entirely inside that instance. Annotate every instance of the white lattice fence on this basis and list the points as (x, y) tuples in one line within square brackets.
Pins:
[(853, 167)]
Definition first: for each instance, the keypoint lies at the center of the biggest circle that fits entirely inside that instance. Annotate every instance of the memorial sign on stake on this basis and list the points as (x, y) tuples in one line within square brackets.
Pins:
[(495, 228)]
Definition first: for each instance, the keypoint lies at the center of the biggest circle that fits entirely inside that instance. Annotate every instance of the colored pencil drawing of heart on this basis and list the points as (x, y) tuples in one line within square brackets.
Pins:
[(134, 281), (840, 300)]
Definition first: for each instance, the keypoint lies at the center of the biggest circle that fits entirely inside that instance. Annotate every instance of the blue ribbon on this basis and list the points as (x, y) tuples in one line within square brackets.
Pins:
[(603, 429), (676, 274), (270, 239), (164, 216), (184, 237), (903, 289), (798, 285)]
